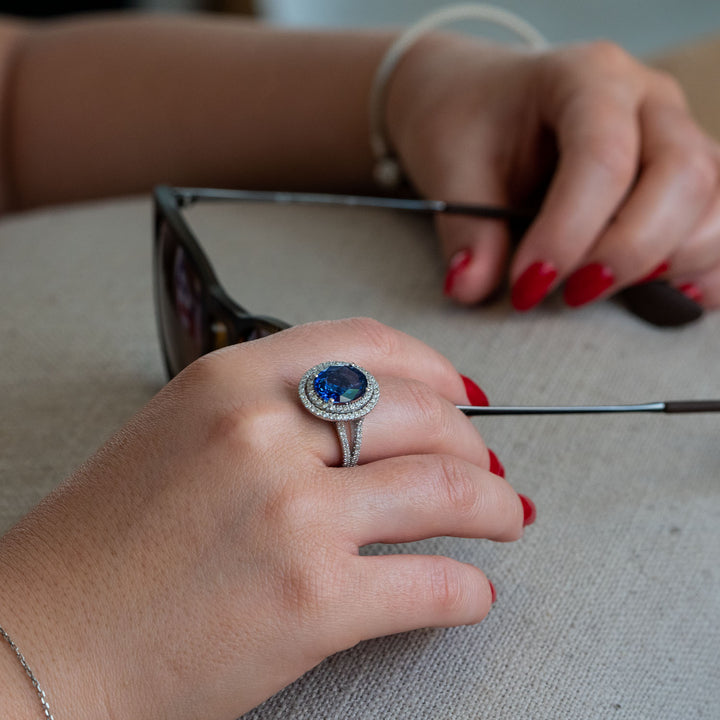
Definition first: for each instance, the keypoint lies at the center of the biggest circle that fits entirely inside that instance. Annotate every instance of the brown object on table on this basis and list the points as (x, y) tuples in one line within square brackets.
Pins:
[(696, 65)]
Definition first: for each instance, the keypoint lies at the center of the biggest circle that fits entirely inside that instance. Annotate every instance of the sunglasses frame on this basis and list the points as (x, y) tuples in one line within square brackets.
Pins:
[(217, 305)]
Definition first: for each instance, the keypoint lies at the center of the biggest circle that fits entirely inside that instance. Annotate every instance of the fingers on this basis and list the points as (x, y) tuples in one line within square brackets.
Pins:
[(412, 498), (705, 288), (475, 250), (477, 253), (701, 252), (695, 265), (635, 180), (415, 414), (599, 141), (410, 418), (668, 202), (381, 350), (398, 593)]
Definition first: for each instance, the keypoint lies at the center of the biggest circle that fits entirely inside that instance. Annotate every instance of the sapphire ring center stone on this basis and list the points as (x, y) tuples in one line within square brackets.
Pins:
[(343, 393), (340, 384)]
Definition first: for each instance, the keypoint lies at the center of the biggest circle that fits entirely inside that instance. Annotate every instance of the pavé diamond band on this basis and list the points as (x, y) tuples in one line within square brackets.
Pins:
[(343, 393)]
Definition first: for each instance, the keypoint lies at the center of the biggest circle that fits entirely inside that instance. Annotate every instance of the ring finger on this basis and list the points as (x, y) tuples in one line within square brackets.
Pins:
[(409, 419)]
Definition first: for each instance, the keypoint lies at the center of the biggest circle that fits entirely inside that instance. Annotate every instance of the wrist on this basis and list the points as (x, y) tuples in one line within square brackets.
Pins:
[(18, 698), (49, 613), (418, 91)]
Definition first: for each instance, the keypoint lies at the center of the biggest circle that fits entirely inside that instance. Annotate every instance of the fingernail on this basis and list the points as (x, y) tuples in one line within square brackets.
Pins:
[(529, 510), (661, 269), (496, 467), (691, 291), (475, 394), (459, 261), (532, 286), (587, 283), (493, 594)]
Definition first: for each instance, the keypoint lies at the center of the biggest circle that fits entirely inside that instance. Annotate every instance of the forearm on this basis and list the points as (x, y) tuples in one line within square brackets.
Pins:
[(113, 105)]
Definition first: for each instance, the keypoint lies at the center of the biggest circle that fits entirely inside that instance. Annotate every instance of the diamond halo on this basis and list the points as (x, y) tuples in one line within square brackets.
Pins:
[(329, 409), (347, 416)]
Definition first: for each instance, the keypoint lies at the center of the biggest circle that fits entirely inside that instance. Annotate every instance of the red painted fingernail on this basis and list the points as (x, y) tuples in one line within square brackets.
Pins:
[(587, 283), (661, 269), (529, 510), (496, 467), (475, 394), (532, 286), (493, 594), (459, 261), (691, 291)]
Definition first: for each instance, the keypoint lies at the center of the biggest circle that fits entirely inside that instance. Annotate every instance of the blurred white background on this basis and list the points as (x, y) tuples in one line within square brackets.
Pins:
[(641, 26)]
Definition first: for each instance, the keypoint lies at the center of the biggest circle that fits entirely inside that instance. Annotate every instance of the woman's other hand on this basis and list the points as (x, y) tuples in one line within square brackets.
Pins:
[(627, 185)]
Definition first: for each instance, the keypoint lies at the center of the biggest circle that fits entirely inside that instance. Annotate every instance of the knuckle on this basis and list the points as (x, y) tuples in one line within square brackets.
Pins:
[(457, 488), (204, 373), (250, 426), (430, 412), (607, 55), (669, 87), (510, 510), (380, 338), (447, 587), (698, 171), (305, 586), (614, 154)]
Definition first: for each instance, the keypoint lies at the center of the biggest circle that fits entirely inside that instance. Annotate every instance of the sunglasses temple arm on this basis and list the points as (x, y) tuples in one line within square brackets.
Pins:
[(188, 195), (675, 406), (485, 211), (692, 406)]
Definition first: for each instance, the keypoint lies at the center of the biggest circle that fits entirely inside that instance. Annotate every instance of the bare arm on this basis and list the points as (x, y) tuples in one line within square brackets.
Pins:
[(115, 104)]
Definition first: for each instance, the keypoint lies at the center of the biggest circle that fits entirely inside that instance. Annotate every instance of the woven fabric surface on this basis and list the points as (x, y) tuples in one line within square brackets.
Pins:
[(609, 607)]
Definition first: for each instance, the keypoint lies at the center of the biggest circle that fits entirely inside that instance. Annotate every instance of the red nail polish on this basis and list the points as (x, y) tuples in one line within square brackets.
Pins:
[(496, 467), (529, 510), (588, 283), (459, 261), (475, 394), (691, 291), (493, 594), (532, 286), (661, 269)]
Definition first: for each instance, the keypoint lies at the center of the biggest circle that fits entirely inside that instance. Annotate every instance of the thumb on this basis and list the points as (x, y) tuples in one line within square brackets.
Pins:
[(475, 250)]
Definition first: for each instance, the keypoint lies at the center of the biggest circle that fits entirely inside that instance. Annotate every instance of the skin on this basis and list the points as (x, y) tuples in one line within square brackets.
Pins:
[(208, 555), (602, 144), (197, 565)]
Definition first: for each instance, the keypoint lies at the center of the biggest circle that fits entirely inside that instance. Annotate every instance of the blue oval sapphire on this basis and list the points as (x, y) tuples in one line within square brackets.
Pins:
[(340, 384)]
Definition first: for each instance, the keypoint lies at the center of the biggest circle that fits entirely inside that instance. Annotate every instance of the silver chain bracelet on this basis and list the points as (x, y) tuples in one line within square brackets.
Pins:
[(40, 692)]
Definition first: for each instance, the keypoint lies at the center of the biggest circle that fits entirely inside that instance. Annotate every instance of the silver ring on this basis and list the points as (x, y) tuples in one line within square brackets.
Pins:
[(343, 393)]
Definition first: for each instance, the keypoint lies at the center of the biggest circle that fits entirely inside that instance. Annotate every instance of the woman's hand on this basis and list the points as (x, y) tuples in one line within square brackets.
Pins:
[(208, 554), (627, 185)]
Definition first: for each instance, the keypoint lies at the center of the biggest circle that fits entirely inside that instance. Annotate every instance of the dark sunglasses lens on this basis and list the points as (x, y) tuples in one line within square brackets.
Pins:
[(180, 302)]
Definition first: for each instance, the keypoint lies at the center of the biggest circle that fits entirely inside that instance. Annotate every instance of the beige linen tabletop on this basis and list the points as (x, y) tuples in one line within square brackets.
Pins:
[(610, 605)]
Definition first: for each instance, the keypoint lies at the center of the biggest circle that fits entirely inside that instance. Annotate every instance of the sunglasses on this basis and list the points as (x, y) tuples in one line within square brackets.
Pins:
[(195, 315)]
